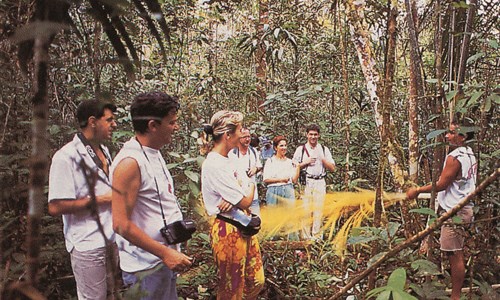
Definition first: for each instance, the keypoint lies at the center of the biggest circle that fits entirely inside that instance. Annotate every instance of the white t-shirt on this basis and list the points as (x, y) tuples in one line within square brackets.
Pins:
[(244, 162), (147, 211), (463, 186), (219, 181), (277, 168), (317, 152), (67, 181)]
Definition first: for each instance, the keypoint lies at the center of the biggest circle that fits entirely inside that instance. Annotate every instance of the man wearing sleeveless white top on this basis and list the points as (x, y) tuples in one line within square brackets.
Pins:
[(457, 180), (79, 184), (315, 159), (144, 201)]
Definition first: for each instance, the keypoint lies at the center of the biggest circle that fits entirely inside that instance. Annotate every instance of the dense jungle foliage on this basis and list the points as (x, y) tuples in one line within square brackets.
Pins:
[(284, 64)]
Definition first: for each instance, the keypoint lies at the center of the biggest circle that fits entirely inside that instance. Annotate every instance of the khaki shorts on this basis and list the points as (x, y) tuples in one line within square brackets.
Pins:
[(452, 234)]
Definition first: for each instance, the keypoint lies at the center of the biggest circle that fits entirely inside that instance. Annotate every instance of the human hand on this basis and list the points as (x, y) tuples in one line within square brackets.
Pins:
[(412, 193), (251, 171), (175, 260), (225, 206)]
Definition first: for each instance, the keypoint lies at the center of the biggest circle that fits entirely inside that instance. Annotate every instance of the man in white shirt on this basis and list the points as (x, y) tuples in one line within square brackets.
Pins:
[(247, 164), (144, 201), (80, 191), (314, 159), (457, 180)]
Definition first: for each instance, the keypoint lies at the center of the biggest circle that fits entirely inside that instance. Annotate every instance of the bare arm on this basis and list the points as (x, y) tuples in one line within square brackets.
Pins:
[(450, 173), (246, 201), (296, 175), (330, 166), (66, 206), (126, 181)]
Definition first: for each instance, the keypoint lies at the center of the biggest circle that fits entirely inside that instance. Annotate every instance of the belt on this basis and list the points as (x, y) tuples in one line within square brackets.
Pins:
[(318, 177)]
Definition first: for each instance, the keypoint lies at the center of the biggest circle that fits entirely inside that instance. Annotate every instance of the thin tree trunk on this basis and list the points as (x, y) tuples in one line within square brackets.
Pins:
[(260, 56), (416, 92), (464, 49), (386, 101), (347, 110), (451, 57), (39, 158)]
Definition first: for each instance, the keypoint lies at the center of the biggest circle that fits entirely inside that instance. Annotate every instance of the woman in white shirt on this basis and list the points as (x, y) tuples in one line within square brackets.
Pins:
[(280, 173), (236, 253)]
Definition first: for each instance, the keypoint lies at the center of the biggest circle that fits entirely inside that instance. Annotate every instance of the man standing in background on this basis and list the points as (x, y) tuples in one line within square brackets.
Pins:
[(248, 164), (314, 159)]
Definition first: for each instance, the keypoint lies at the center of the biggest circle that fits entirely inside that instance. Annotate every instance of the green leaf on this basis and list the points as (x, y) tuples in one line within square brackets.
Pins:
[(493, 44), (402, 295), (385, 295), (425, 267), (393, 228), (475, 57), (431, 80), (397, 280), (474, 97), (434, 134), (361, 239), (450, 95), (174, 154), (376, 291), (192, 175), (424, 211), (375, 258)]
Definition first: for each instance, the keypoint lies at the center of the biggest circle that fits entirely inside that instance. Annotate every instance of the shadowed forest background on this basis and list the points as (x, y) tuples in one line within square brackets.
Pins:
[(381, 78)]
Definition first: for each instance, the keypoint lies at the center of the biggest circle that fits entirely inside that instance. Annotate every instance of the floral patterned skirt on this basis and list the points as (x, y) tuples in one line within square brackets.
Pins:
[(241, 275)]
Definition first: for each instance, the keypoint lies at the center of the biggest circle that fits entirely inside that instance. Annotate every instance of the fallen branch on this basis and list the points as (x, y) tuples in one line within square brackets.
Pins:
[(472, 289), (419, 236)]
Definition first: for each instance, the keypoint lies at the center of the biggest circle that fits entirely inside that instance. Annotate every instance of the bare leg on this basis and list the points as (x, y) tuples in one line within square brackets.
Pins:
[(457, 273)]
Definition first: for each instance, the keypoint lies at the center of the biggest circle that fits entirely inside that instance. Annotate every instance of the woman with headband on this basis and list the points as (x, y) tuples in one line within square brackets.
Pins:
[(235, 247)]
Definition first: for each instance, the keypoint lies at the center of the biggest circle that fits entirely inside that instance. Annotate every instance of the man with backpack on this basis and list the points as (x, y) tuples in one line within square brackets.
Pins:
[(314, 160), (247, 164)]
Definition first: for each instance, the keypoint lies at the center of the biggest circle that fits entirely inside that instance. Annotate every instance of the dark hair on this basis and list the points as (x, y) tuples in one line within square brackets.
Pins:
[(92, 108), (151, 106), (277, 140), (254, 140), (465, 128), (312, 127)]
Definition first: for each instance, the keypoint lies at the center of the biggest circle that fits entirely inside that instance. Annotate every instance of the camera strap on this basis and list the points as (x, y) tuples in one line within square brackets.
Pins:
[(156, 183), (304, 149), (92, 153)]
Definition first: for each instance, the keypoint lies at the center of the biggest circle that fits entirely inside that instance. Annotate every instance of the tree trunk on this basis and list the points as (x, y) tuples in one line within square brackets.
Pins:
[(416, 92), (464, 53), (359, 32), (386, 101), (260, 56), (347, 110), (39, 159)]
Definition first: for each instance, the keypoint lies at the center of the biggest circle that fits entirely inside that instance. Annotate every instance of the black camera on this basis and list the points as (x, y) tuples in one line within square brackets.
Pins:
[(178, 232), (302, 176), (253, 227)]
